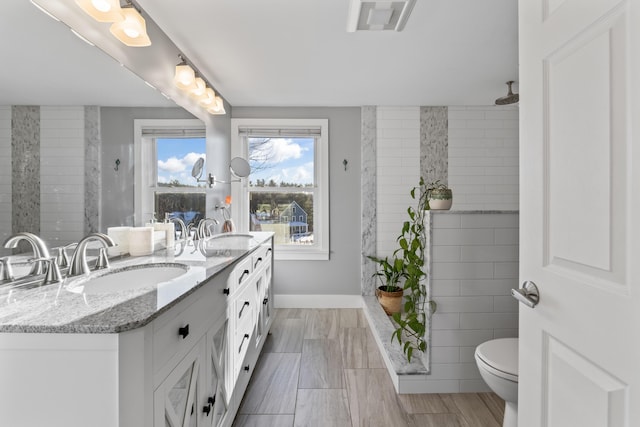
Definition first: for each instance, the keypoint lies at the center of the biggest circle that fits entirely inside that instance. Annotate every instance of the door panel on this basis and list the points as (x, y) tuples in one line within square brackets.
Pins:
[(580, 200)]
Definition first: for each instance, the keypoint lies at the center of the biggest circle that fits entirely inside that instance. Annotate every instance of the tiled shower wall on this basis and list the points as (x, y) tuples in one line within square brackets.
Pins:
[(51, 143), (483, 157), (474, 265)]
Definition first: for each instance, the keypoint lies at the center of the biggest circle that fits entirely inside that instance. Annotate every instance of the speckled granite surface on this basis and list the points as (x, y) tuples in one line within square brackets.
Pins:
[(381, 326), (56, 309)]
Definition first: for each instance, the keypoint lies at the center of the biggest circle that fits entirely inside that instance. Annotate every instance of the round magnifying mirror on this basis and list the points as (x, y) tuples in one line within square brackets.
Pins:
[(240, 167), (196, 172)]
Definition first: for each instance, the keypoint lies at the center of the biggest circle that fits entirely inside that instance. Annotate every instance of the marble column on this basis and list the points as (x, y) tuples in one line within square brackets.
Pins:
[(434, 144), (25, 160), (92, 169), (368, 197)]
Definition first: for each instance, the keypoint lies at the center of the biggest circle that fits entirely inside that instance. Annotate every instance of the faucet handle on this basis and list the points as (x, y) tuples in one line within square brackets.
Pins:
[(103, 259), (7, 271), (52, 274), (62, 259)]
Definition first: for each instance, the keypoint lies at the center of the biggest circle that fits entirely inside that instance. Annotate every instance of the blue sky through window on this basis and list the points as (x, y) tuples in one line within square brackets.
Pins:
[(176, 157), (287, 160)]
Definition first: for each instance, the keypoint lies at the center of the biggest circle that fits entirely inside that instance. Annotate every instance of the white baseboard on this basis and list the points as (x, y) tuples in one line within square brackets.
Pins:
[(317, 301)]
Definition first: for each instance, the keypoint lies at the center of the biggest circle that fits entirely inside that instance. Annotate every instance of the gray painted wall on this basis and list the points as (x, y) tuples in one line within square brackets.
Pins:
[(341, 273), (117, 143)]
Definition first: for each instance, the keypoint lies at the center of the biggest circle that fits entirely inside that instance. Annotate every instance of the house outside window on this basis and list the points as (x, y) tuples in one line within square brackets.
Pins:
[(165, 152), (287, 191)]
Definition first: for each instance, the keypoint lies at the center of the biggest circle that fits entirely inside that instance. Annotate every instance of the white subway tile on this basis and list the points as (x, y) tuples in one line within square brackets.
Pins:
[(488, 320), (505, 333), (506, 270), (474, 304), (505, 304), (467, 354), (488, 253), (459, 371), (445, 220), (443, 320), (493, 287), (445, 288), (454, 236), (446, 254), (445, 355), (459, 337), (506, 236), (462, 270)]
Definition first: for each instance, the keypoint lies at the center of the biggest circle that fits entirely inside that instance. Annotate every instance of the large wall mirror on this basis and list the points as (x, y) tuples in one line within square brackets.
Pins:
[(66, 129)]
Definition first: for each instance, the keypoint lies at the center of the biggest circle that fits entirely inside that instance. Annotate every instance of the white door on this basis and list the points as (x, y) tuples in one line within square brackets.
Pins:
[(580, 212)]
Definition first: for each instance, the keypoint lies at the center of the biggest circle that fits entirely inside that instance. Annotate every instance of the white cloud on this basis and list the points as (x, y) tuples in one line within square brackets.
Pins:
[(174, 165), (302, 174), (277, 150)]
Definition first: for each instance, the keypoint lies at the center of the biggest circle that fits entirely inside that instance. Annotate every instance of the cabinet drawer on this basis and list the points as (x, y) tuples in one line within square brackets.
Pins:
[(174, 336), (241, 273), (243, 336), (261, 256), (244, 304)]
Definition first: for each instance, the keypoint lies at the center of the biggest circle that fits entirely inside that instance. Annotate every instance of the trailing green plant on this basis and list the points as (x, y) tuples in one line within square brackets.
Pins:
[(412, 322)]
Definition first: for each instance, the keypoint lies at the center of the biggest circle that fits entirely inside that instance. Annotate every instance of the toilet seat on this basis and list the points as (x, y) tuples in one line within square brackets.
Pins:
[(500, 357)]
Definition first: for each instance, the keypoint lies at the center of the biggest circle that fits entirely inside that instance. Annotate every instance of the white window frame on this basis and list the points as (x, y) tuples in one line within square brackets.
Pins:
[(319, 251), (146, 171)]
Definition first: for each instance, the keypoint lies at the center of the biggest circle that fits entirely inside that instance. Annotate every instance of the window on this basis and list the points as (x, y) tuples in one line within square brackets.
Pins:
[(287, 191), (166, 151)]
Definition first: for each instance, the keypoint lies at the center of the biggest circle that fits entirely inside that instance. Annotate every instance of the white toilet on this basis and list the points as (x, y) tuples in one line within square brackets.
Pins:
[(498, 364)]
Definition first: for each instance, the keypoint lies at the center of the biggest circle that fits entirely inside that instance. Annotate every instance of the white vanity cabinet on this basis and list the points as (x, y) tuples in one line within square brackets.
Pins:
[(188, 367)]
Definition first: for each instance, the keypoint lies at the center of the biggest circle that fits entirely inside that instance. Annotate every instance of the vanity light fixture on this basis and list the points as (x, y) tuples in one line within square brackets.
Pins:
[(102, 10), (132, 29), (185, 77), (197, 87)]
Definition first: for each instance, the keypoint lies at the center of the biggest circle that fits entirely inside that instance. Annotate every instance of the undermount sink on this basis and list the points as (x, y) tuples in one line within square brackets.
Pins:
[(228, 241), (127, 278)]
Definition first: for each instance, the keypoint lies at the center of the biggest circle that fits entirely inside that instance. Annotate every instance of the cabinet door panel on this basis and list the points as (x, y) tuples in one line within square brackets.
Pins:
[(175, 400)]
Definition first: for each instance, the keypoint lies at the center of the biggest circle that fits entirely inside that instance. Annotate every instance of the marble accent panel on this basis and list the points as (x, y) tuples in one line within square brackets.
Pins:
[(92, 169), (434, 144), (368, 197), (5, 173), (25, 154)]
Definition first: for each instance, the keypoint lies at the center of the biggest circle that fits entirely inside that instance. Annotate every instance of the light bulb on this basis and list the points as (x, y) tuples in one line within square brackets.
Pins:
[(199, 88), (101, 5), (208, 99), (132, 29), (184, 77)]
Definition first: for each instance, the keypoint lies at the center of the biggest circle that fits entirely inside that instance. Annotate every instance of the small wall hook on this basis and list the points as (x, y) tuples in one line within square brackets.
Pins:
[(117, 165), (345, 162)]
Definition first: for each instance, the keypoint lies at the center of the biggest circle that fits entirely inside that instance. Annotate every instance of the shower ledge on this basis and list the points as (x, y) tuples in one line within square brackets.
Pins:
[(407, 377)]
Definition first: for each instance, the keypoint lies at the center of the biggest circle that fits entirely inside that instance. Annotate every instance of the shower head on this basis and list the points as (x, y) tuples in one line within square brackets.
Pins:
[(511, 97)]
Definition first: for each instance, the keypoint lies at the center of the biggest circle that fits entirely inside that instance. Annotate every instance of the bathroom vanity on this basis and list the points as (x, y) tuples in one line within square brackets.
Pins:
[(169, 339)]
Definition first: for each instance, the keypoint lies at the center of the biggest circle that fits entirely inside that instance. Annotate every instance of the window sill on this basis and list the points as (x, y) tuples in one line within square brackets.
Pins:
[(298, 254)]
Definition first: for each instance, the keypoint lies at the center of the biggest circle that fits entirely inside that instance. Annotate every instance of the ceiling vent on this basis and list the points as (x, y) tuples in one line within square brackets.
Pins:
[(375, 15)]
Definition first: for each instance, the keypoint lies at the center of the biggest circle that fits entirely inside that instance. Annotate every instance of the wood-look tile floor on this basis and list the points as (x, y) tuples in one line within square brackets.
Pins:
[(321, 367)]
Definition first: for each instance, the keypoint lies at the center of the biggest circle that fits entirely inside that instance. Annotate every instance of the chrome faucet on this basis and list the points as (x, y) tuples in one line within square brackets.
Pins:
[(37, 245), (204, 227), (183, 228), (78, 265)]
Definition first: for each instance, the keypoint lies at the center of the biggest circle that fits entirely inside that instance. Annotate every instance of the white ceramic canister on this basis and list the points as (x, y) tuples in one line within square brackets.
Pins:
[(120, 236)]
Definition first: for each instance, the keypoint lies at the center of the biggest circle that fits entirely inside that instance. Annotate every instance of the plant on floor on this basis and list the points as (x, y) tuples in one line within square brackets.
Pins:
[(417, 306)]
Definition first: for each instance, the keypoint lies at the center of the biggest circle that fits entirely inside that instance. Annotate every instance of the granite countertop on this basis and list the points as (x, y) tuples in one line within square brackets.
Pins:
[(64, 308)]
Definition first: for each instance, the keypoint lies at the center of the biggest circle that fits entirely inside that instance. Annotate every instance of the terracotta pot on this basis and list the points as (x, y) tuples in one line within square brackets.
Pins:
[(391, 302)]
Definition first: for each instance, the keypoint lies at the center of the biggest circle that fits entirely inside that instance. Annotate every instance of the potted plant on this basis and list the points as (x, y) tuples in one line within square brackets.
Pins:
[(440, 197), (408, 266), (389, 293)]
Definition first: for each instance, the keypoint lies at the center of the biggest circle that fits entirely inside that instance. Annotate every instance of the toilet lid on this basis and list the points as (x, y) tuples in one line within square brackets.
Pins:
[(501, 355)]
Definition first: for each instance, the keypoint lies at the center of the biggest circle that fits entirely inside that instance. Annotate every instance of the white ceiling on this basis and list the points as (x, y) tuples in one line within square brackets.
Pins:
[(276, 53)]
